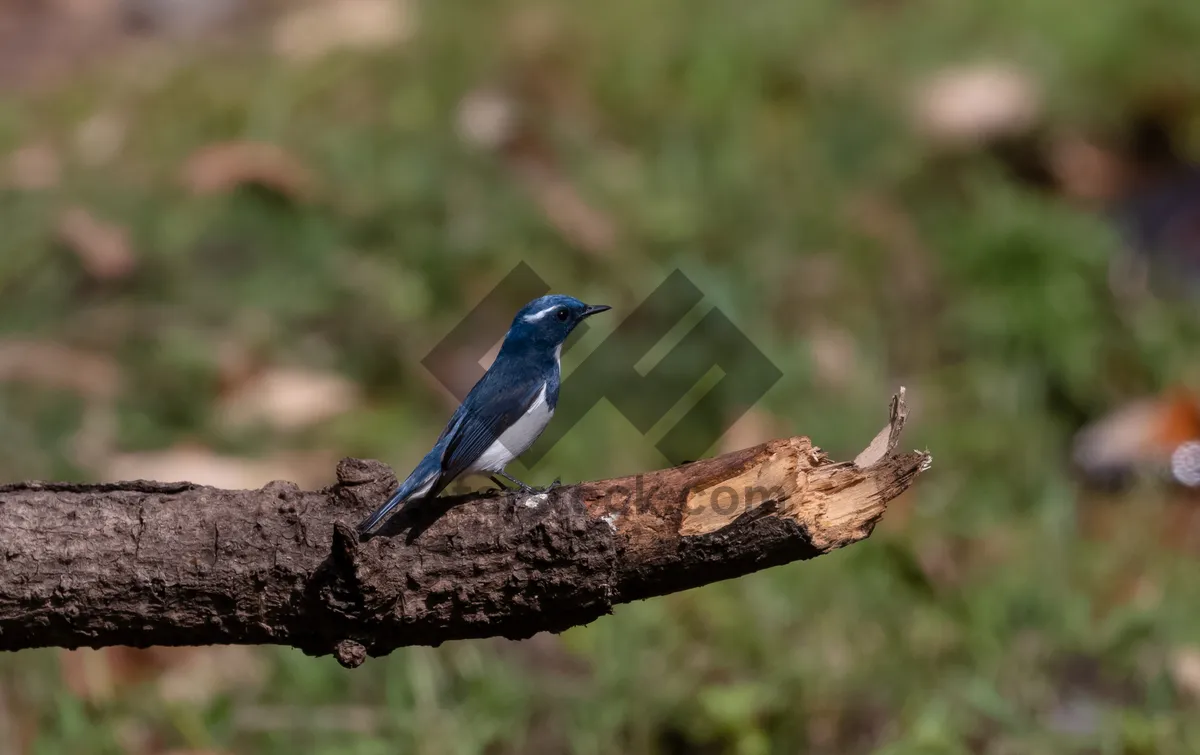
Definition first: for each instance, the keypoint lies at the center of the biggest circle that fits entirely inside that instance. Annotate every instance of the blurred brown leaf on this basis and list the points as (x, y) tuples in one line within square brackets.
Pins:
[(100, 138), (182, 18), (42, 42), (535, 31), (35, 167), (1086, 171), (834, 353), (1122, 438), (752, 428), (309, 469), (317, 29), (13, 738), (1140, 435), (193, 675), (1184, 667), (543, 46), (96, 675), (96, 437), (223, 167), (103, 248), (289, 399), (487, 119), (45, 363), (88, 11), (492, 119), (1129, 588), (973, 104), (237, 363), (565, 208), (197, 675)]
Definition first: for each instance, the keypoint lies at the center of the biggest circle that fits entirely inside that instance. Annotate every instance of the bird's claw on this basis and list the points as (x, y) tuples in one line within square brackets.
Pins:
[(529, 489), (556, 484)]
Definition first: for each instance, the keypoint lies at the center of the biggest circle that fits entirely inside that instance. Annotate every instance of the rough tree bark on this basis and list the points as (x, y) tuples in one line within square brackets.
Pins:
[(151, 563)]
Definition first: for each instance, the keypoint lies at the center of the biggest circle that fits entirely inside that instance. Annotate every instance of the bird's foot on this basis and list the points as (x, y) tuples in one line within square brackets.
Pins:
[(546, 489), (520, 485)]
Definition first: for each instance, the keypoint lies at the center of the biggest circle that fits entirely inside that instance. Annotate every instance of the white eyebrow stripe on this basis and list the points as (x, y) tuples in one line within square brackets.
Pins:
[(539, 315)]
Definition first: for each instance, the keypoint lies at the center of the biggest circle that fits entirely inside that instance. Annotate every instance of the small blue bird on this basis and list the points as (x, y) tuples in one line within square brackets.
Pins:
[(507, 409)]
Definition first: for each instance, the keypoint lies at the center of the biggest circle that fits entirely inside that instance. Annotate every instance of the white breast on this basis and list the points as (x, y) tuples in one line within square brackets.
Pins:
[(517, 439)]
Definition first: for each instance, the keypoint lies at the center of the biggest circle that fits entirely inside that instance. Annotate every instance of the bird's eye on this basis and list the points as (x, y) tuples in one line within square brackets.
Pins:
[(561, 314)]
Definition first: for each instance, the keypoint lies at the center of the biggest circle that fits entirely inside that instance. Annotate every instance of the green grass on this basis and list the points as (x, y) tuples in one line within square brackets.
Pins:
[(734, 143)]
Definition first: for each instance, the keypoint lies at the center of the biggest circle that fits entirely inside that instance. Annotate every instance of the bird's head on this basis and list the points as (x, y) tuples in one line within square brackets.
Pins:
[(546, 321)]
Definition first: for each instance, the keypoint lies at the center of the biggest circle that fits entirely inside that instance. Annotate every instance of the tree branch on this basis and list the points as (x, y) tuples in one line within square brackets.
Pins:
[(150, 563)]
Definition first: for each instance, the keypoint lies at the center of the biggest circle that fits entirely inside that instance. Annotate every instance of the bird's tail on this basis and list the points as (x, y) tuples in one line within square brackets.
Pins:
[(418, 485)]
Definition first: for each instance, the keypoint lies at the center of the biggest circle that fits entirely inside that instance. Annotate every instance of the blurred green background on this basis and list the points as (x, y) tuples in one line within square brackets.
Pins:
[(231, 231)]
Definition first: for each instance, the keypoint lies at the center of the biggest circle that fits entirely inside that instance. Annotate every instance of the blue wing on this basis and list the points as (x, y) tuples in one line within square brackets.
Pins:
[(497, 402), (506, 402)]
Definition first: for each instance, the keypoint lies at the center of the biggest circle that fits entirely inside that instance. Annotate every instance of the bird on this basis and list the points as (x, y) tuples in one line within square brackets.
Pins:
[(505, 412)]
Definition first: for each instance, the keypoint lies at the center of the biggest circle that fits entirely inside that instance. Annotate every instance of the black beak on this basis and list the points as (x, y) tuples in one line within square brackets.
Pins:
[(595, 309)]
